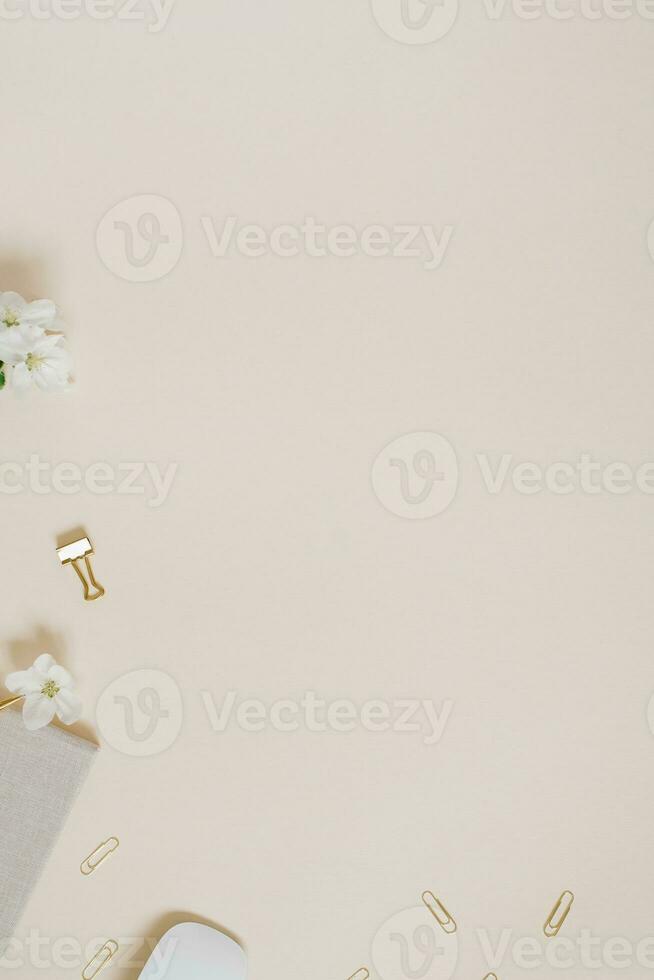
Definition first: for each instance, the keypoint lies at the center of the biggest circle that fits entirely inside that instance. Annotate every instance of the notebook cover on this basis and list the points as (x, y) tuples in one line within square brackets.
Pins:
[(41, 774)]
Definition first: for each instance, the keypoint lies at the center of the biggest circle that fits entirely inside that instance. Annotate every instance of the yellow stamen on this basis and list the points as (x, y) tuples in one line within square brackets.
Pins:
[(10, 318), (33, 361), (50, 689)]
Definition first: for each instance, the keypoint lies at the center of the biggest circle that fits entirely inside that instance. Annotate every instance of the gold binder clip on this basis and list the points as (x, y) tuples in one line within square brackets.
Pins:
[(71, 554), (440, 913), (559, 914), (100, 854), (362, 974), (100, 960)]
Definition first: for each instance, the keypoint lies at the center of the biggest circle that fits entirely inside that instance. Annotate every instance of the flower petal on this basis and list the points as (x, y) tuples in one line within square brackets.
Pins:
[(13, 300), (38, 711), (41, 311), (13, 346), (33, 335), (23, 682), (68, 706), (46, 342), (21, 376), (60, 676), (44, 378), (44, 663)]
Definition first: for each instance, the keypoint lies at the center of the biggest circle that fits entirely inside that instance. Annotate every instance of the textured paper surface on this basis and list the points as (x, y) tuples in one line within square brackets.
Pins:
[(41, 774), (271, 568)]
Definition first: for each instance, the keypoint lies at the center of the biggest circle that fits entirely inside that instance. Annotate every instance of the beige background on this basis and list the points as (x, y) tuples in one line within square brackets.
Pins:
[(272, 568)]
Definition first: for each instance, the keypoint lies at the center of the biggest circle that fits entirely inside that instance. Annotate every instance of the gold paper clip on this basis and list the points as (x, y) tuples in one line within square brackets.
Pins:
[(9, 701), (102, 852), (435, 906), (491, 976), (71, 554), (559, 914), (362, 974), (100, 960)]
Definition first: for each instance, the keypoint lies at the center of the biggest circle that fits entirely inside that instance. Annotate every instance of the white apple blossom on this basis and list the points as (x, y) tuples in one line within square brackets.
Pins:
[(17, 312), (36, 359), (48, 690)]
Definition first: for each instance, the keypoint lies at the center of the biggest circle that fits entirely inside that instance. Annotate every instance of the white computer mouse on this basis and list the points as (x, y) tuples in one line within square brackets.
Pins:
[(191, 951)]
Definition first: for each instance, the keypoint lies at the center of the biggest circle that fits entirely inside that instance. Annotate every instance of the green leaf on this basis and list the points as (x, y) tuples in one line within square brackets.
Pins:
[(2, 376)]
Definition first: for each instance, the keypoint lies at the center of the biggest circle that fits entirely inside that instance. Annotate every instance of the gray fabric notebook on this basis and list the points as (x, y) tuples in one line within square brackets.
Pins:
[(41, 773)]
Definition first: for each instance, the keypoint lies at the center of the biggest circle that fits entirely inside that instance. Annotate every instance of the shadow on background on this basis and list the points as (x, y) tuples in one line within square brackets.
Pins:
[(23, 274)]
